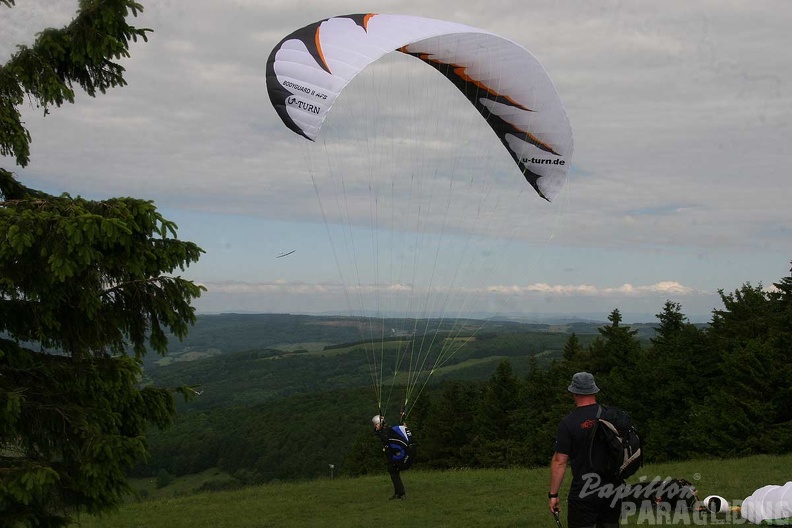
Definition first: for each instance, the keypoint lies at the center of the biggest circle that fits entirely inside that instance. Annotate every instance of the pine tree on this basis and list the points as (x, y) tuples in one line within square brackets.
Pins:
[(671, 383), (615, 357), (86, 289), (447, 431), (542, 405), (781, 298), (495, 422), (751, 336), (576, 358)]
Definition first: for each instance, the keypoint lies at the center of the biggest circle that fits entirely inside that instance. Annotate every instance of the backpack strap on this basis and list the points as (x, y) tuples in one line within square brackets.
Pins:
[(593, 434)]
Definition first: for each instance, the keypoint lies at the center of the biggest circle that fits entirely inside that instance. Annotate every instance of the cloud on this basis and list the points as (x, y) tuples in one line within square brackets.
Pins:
[(663, 287), (681, 114), (637, 303)]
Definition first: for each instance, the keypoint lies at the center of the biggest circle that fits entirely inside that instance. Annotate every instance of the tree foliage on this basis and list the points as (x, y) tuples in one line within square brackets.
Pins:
[(672, 369), (84, 53), (86, 288)]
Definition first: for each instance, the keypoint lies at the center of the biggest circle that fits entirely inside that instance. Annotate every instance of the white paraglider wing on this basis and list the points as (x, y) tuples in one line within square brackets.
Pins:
[(308, 69), (769, 503)]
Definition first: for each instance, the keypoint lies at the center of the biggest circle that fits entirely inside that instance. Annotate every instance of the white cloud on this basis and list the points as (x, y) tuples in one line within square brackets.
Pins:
[(387, 299), (663, 287)]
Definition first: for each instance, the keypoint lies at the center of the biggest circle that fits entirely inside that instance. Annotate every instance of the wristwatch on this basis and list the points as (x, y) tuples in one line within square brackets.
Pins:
[(552, 495)]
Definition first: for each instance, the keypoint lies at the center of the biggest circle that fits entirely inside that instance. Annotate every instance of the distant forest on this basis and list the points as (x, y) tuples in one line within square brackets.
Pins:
[(695, 391)]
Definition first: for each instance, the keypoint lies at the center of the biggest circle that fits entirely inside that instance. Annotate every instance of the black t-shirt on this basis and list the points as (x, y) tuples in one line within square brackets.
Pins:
[(573, 440)]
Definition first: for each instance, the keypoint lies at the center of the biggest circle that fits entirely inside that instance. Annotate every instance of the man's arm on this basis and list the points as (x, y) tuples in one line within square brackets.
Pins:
[(557, 469)]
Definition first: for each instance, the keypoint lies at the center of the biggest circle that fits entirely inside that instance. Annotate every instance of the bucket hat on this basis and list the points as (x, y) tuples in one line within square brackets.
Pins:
[(583, 383)]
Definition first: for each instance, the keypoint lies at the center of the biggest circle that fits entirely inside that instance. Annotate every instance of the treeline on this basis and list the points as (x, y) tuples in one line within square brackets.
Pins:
[(719, 391)]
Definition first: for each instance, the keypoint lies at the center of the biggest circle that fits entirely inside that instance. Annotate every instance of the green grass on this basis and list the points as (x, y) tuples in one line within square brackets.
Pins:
[(181, 486), (459, 499)]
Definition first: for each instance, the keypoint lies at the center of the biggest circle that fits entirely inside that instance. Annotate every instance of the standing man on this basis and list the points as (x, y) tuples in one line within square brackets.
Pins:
[(590, 505), (399, 449)]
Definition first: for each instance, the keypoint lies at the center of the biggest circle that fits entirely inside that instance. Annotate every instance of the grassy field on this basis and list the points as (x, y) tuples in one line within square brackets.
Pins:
[(464, 498)]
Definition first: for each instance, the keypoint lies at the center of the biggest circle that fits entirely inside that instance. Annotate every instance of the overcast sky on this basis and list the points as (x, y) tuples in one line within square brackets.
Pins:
[(681, 114)]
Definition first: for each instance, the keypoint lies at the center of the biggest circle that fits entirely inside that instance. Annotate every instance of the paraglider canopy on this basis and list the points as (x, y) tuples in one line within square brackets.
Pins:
[(309, 68), (770, 504)]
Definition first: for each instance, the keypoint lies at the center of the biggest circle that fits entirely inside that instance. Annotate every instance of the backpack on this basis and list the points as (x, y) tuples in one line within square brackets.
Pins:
[(615, 446), (401, 447)]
